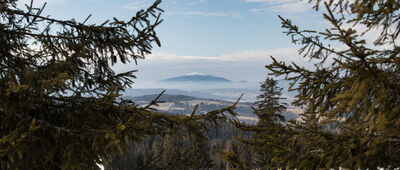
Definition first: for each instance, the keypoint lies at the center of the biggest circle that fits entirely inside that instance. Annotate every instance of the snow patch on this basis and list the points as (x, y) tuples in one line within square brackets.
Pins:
[(196, 73)]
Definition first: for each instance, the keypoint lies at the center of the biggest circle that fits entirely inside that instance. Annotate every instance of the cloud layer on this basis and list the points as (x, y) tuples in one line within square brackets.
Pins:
[(242, 65), (280, 6), (206, 14)]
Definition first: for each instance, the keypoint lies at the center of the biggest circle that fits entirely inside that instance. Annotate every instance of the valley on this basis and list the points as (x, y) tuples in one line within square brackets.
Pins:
[(182, 104)]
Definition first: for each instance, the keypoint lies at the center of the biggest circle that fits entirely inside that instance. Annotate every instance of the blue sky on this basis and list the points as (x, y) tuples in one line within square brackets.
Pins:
[(228, 38)]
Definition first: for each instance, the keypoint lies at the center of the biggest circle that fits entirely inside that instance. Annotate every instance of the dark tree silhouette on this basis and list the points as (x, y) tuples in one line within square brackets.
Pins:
[(351, 97), (60, 101), (269, 99)]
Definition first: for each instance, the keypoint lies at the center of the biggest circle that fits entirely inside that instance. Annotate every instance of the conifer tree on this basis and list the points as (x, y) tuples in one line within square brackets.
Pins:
[(269, 127), (354, 88), (269, 99), (60, 99), (269, 106)]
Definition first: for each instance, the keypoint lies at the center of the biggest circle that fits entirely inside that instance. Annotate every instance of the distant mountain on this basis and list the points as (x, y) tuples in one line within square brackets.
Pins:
[(199, 94), (196, 77)]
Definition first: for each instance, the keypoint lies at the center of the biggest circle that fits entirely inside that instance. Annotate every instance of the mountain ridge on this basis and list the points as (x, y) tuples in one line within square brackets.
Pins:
[(196, 77)]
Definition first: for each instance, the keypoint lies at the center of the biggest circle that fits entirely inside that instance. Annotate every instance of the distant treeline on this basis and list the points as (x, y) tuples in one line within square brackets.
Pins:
[(172, 151)]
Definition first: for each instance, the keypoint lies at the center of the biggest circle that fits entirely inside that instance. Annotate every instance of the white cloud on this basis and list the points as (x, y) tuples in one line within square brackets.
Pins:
[(206, 14), (296, 7), (370, 36), (37, 3), (241, 65), (286, 54), (281, 6), (196, 2), (271, 1), (136, 5)]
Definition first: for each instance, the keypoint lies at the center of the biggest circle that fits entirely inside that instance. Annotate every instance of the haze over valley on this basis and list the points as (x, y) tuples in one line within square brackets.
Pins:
[(206, 86), (210, 92)]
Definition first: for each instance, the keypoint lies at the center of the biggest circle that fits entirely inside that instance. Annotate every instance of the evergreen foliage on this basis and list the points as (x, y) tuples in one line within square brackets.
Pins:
[(351, 97), (179, 152), (269, 99), (60, 104), (269, 107), (257, 151)]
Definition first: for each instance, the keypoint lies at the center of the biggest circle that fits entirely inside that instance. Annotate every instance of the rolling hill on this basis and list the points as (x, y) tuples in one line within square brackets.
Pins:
[(181, 104), (196, 77)]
